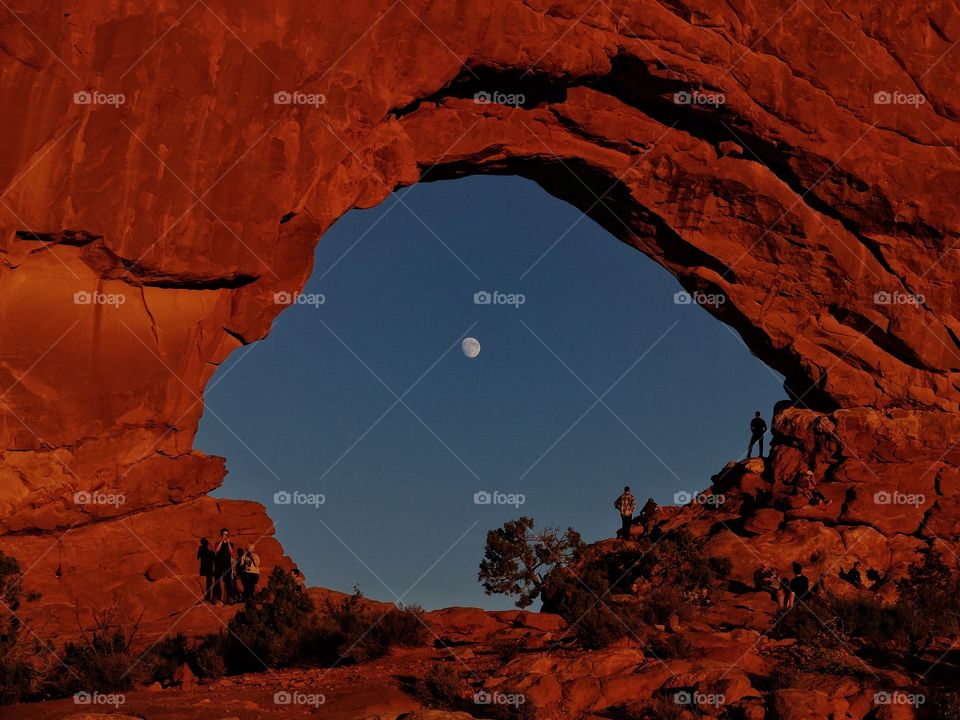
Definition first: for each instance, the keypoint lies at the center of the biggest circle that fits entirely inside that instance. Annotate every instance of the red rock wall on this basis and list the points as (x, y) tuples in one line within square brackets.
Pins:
[(190, 204)]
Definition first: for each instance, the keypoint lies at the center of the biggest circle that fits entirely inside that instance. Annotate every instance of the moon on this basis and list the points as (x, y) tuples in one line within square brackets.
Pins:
[(470, 347)]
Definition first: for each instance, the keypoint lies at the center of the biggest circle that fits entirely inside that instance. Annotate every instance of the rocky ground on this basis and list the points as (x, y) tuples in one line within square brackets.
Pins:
[(726, 660), (550, 672)]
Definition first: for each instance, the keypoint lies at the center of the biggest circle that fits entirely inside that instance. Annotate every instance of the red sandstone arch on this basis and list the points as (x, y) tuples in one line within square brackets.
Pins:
[(800, 197)]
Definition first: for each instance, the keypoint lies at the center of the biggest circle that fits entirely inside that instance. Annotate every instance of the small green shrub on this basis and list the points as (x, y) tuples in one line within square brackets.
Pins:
[(11, 581), (166, 656), (401, 627), (785, 675), (600, 623), (658, 708), (813, 623), (17, 675), (928, 604), (506, 649), (273, 627), (600, 627), (942, 706), (586, 596), (360, 632), (442, 687), (670, 647), (104, 659), (658, 607), (208, 662)]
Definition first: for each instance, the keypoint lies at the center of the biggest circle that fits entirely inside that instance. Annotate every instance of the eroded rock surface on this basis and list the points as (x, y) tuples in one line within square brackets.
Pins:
[(799, 159)]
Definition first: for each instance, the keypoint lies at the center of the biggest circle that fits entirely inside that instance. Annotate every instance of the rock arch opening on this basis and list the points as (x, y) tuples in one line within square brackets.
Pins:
[(596, 370)]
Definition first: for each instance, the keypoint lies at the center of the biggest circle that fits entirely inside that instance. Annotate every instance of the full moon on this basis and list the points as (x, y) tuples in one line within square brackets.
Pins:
[(470, 347)]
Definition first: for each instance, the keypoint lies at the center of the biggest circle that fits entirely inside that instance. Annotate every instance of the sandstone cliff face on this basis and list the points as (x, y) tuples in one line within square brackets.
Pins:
[(798, 158)]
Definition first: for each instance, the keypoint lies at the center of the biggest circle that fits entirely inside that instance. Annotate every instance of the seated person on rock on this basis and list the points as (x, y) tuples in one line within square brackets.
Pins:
[(877, 581), (698, 596), (766, 579), (807, 486), (648, 515), (853, 575)]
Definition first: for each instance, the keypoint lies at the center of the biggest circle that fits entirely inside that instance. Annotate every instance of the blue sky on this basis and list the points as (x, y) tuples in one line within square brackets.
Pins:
[(312, 402)]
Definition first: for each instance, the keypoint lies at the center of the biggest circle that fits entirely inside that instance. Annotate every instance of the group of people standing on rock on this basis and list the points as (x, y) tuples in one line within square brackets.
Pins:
[(626, 504), (223, 565), (785, 590), (806, 483)]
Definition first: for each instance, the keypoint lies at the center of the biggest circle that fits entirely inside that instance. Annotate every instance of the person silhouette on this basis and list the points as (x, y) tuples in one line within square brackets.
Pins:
[(757, 428), (625, 504), (223, 568), (648, 514), (799, 584), (206, 557)]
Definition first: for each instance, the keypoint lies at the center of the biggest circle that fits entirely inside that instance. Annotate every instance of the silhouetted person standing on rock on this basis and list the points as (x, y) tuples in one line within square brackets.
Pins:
[(757, 428), (223, 568), (626, 504), (799, 584), (206, 558)]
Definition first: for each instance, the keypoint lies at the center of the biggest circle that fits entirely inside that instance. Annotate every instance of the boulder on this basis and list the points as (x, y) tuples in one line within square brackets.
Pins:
[(764, 520), (793, 704), (184, 677)]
